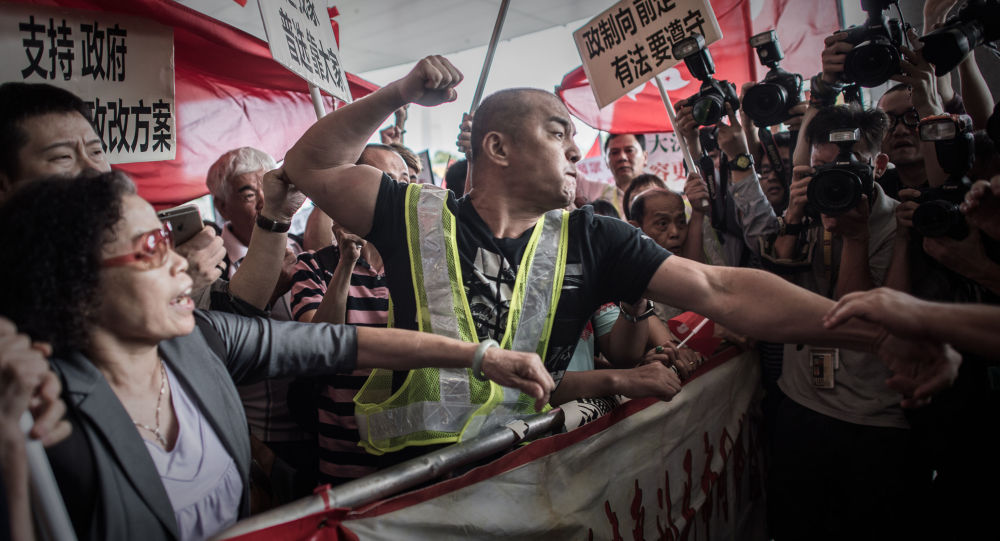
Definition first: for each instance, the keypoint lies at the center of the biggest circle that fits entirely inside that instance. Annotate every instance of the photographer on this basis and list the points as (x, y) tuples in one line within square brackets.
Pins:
[(840, 445)]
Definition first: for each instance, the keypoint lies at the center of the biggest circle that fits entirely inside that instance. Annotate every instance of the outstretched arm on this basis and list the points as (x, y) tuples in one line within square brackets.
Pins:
[(764, 306), (321, 163)]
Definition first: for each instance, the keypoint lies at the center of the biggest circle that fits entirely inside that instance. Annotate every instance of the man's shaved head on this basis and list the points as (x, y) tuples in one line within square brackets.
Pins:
[(504, 112)]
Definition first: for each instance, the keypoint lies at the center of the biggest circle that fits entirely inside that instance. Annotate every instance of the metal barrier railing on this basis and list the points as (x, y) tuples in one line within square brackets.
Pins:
[(405, 475)]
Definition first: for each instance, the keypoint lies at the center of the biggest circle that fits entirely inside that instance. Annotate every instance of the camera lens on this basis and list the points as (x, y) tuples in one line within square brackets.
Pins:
[(939, 218), (766, 103), (871, 63), (834, 192), (707, 109)]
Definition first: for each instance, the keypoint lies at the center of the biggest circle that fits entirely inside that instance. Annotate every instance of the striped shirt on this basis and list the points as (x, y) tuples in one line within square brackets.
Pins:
[(340, 457)]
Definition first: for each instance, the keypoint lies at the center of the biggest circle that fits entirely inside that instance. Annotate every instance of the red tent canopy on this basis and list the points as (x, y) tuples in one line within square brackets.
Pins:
[(229, 93)]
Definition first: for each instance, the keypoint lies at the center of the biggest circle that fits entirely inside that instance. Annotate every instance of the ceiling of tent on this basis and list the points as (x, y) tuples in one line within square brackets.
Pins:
[(375, 34)]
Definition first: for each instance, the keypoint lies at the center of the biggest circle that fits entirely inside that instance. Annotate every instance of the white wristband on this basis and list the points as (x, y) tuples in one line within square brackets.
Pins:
[(477, 359)]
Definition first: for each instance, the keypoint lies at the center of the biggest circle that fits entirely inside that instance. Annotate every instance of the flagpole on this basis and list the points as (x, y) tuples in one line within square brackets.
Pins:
[(672, 115), (501, 16), (317, 100)]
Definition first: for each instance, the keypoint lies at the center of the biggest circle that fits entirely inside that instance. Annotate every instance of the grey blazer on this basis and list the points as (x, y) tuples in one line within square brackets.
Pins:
[(108, 480)]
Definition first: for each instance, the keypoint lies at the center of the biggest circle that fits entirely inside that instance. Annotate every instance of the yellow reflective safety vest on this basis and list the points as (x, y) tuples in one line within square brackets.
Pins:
[(436, 406)]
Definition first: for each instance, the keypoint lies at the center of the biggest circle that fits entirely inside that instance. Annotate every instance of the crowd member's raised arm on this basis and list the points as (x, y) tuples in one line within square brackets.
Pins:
[(257, 276), (321, 163)]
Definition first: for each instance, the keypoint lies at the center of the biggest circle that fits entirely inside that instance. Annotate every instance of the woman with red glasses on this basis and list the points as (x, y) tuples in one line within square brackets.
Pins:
[(160, 447)]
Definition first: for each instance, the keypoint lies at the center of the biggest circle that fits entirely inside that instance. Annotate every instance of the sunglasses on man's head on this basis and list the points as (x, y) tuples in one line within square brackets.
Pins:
[(152, 250)]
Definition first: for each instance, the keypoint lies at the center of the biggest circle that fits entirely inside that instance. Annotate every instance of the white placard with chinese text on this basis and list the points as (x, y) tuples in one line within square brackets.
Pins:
[(301, 39), (633, 40), (122, 66)]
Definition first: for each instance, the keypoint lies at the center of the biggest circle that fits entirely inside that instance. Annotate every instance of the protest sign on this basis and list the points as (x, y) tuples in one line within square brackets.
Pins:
[(301, 39), (121, 66), (630, 42)]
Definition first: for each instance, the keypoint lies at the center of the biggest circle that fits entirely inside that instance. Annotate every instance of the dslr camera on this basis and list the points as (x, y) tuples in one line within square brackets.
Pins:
[(875, 57), (938, 214), (837, 187), (767, 103), (708, 105), (975, 24)]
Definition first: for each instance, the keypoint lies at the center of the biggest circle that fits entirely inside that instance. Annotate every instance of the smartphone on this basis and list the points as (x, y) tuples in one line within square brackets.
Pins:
[(185, 222)]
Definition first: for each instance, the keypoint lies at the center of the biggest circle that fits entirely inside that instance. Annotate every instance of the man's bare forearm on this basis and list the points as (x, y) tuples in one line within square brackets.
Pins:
[(755, 303)]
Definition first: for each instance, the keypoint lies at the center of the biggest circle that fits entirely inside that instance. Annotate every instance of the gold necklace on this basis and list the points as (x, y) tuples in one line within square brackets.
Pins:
[(163, 389)]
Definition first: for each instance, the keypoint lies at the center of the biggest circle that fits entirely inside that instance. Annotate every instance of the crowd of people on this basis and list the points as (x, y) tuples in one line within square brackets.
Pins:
[(180, 388)]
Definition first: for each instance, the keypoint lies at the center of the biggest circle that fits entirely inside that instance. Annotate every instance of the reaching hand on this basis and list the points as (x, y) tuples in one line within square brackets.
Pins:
[(732, 139), (281, 198), (204, 253), (687, 126), (966, 257), (650, 380), (798, 193), (390, 135), (27, 383), (464, 141), (431, 82), (696, 192), (920, 368), (919, 74), (899, 313), (851, 225), (519, 370), (982, 206), (833, 57), (905, 210), (349, 245)]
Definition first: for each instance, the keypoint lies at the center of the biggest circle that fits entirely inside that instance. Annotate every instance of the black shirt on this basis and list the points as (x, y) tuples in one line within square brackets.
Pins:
[(608, 260)]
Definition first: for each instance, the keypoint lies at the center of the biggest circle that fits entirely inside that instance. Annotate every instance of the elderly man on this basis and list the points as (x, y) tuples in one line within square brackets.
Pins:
[(524, 171), (45, 131)]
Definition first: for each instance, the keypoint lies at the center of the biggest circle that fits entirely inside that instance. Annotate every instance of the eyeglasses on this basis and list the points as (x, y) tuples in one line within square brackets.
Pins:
[(910, 118), (152, 250)]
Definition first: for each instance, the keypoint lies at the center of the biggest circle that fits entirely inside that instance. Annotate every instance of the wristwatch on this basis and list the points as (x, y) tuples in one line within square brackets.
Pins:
[(639, 317), (742, 162), (268, 224), (785, 228)]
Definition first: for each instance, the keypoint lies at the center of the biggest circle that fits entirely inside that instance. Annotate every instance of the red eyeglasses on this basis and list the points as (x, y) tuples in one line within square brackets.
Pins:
[(152, 250)]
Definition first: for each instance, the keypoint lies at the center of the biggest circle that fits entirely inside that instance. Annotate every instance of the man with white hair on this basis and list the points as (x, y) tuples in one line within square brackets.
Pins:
[(235, 181)]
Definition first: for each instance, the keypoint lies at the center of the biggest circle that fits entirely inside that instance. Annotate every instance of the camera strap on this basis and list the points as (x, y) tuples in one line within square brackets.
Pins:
[(707, 167), (771, 149)]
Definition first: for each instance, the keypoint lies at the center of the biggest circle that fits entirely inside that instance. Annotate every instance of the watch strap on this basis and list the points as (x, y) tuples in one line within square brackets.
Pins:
[(268, 224)]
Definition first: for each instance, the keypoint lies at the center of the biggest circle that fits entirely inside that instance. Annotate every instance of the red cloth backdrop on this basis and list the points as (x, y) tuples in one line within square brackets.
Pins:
[(800, 31), (229, 93)]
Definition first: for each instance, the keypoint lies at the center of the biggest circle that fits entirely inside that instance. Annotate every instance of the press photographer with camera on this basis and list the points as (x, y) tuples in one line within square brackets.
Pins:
[(840, 445)]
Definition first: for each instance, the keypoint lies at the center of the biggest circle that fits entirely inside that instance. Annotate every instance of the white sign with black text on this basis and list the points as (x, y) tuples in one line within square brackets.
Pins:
[(301, 39), (121, 66), (633, 40)]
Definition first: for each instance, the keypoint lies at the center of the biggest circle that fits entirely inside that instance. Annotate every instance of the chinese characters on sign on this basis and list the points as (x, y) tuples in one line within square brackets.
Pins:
[(303, 42), (664, 160), (633, 40), (122, 67)]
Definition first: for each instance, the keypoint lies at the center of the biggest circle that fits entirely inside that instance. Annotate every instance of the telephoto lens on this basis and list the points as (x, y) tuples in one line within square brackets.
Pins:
[(976, 23)]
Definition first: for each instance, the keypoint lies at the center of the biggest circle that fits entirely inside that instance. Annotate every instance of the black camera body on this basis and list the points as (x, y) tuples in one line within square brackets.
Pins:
[(708, 105), (938, 214), (978, 22), (767, 103), (875, 57), (837, 187)]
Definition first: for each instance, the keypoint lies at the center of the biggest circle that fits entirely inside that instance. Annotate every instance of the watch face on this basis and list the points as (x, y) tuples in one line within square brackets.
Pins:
[(743, 161)]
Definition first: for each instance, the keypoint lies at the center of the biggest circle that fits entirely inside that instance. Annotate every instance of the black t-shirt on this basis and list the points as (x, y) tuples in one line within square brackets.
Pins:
[(608, 260)]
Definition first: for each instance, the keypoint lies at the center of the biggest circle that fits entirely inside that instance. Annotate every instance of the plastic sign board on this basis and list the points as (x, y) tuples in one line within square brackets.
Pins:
[(633, 40), (301, 39), (121, 66)]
